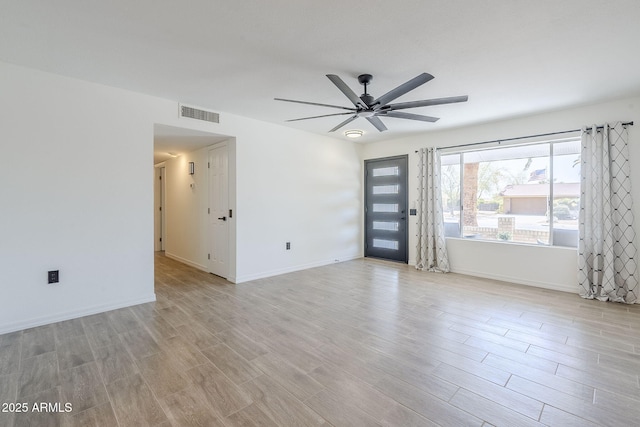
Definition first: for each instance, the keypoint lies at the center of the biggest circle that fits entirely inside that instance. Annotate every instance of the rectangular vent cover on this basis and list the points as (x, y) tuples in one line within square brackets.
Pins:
[(195, 113)]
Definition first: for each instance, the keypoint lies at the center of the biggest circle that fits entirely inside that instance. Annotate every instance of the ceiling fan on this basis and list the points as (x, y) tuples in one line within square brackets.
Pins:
[(372, 109)]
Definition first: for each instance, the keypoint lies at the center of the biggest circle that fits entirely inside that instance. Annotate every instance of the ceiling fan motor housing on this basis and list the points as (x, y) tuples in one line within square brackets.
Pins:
[(367, 99)]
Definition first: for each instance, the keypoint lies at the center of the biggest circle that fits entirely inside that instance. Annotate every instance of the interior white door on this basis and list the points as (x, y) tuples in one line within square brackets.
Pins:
[(219, 210)]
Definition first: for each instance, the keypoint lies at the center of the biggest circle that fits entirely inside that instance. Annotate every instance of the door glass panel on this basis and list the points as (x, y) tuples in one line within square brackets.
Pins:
[(385, 244), (385, 207), (390, 171), (386, 189), (386, 225)]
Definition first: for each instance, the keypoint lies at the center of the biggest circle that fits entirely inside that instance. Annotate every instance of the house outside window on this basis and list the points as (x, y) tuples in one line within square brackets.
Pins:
[(524, 193)]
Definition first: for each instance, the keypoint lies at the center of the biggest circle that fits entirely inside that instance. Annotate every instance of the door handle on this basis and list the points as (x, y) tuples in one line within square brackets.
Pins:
[(224, 218)]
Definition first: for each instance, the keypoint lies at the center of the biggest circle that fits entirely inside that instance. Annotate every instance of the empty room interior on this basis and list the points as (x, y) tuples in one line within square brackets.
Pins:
[(411, 213)]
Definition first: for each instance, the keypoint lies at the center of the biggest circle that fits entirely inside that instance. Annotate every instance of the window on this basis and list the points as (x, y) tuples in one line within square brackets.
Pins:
[(519, 193)]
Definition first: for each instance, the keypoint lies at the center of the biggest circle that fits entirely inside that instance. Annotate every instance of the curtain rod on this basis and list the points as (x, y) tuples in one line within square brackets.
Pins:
[(526, 137)]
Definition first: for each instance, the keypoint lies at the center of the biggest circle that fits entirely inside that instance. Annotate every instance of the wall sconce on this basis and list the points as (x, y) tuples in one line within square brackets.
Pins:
[(192, 168)]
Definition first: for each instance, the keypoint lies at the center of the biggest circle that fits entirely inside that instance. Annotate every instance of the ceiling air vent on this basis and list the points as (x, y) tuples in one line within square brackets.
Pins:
[(198, 114)]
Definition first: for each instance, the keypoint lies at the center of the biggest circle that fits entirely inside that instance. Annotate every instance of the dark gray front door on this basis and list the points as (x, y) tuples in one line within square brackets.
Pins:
[(386, 208)]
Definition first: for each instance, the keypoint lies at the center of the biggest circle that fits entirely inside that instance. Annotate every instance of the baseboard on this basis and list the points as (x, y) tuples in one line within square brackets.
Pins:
[(519, 281), (186, 261), (262, 275), (286, 270), (59, 317)]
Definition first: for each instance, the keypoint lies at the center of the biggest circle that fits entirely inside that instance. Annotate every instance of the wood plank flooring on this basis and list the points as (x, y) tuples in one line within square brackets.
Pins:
[(363, 342)]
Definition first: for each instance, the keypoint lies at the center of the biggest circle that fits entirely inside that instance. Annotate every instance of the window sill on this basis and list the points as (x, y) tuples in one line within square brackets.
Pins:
[(498, 242)]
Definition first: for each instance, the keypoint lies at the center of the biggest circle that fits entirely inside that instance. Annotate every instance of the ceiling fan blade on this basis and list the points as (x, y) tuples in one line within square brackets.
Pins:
[(401, 115), (347, 91), (402, 89), (349, 120), (426, 103), (317, 117), (315, 103), (377, 123)]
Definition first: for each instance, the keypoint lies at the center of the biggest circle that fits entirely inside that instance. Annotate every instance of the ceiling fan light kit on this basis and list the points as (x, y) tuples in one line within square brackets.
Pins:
[(353, 133), (372, 109)]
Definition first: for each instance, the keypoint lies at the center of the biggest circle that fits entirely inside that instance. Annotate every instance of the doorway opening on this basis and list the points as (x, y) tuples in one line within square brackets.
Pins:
[(187, 194)]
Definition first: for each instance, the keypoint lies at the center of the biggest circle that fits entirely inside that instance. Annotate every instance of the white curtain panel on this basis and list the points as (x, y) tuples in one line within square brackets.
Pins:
[(606, 250), (431, 248)]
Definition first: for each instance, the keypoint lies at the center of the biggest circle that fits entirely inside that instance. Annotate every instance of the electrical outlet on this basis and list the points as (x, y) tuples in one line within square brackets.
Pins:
[(288, 246), (53, 276)]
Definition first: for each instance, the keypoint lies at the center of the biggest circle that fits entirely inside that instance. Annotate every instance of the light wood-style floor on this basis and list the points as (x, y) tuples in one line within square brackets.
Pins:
[(359, 343)]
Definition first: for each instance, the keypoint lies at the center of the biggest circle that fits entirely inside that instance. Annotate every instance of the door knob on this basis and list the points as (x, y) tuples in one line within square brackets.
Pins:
[(224, 218)]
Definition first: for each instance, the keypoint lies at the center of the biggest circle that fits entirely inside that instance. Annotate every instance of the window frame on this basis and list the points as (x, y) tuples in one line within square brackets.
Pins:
[(446, 151)]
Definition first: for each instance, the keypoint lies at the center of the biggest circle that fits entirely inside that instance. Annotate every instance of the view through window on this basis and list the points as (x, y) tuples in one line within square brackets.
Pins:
[(519, 193)]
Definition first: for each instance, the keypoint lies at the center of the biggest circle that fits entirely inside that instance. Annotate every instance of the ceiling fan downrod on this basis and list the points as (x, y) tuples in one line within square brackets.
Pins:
[(365, 79)]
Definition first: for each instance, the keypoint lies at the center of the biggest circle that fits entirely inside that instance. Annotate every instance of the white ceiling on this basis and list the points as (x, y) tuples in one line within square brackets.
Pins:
[(171, 141), (511, 57)]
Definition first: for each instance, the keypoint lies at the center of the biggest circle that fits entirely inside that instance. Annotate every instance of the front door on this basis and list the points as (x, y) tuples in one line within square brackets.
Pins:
[(219, 210), (386, 208)]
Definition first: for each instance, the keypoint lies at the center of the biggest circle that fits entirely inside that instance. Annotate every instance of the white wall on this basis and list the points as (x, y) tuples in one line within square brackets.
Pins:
[(76, 194), (548, 267), (300, 188), (186, 209)]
